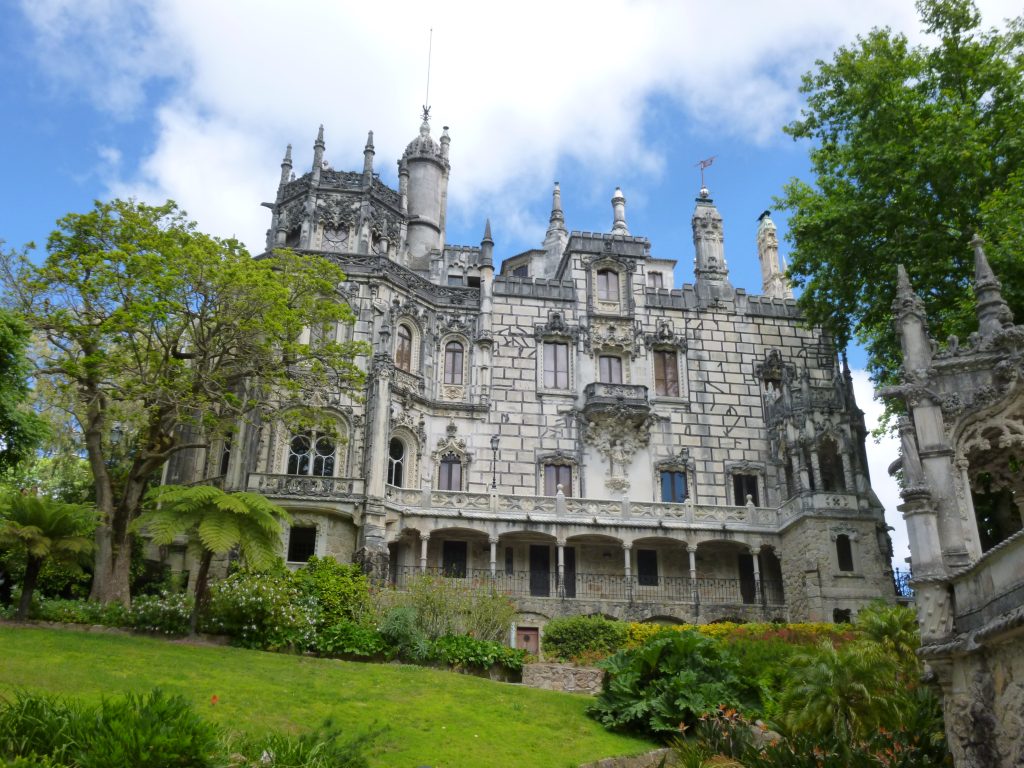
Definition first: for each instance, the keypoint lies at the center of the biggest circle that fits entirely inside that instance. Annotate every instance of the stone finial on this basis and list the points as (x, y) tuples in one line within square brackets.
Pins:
[(709, 242), (774, 282), (619, 213), (319, 136), (487, 247), (368, 154), (446, 141), (286, 166), (557, 220), (994, 313), (911, 323), (318, 155)]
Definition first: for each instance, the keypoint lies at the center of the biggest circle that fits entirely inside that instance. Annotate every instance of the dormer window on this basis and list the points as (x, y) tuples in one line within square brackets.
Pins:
[(655, 280), (607, 285), (523, 270)]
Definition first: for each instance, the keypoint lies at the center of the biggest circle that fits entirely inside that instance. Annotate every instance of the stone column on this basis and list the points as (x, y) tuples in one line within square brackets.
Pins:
[(692, 552), (561, 567), (424, 541), (755, 553), (627, 562), (494, 555)]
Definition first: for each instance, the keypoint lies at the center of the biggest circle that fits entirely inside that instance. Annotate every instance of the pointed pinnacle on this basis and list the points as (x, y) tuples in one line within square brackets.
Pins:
[(320, 134), (288, 154), (487, 232), (369, 140), (982, 270)]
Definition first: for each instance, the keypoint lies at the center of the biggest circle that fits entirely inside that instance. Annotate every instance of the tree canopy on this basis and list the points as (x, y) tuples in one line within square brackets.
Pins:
[(915, 149), (21, 430), (158, 338)]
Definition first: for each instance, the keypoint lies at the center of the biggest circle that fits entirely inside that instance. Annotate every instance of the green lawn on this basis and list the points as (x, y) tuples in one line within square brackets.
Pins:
[(432, 718)]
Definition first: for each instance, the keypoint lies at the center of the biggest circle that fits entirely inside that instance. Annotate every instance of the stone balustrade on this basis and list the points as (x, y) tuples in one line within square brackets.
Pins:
[(306, 487)]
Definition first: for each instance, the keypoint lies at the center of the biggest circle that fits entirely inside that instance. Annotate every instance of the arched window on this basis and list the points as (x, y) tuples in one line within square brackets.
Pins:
[(396, 463), (403, 348), (831, 466), (453, 363), (607, 285), (844, 552), (450, 476), (310, 453)]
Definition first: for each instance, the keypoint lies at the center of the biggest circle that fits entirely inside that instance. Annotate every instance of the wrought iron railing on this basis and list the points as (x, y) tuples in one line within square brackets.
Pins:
[(901, 582), (603, 586)]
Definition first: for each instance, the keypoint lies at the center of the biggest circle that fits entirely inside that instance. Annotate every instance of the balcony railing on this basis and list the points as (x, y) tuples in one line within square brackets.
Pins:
[(599, 396), (601, 586), (306, 486)]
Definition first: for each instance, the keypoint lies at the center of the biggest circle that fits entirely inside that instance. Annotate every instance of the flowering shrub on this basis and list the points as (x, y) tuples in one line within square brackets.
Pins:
[(340, 592), (167, 613), (262, 610)]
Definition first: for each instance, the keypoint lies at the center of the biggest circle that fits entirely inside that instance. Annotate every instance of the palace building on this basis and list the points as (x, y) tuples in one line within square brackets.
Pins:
[(571, 426)]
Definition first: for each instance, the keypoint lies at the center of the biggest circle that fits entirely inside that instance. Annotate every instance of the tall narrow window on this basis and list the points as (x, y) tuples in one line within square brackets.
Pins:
[(666, 373), (844, 552), (673, 486), (608, 285), (556, 365), (453, 363), (403, 348), (450, 477), (301, 543), (743, 486), (225, 455), (655, 280), (610, 369), (555, 475), (396, 463), (831, 466)]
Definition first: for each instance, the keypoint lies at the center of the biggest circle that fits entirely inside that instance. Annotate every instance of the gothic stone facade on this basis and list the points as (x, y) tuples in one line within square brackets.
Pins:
[(572, 427), (962, 434)]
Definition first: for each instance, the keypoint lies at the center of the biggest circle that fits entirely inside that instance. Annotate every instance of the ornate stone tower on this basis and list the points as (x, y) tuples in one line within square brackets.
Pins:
[(423, 185)]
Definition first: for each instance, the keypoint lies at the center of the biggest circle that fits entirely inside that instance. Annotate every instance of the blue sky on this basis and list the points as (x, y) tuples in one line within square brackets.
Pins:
[(196, 101)]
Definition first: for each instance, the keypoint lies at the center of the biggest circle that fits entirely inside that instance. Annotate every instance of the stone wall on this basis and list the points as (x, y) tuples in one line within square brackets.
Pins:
[(567, 678)]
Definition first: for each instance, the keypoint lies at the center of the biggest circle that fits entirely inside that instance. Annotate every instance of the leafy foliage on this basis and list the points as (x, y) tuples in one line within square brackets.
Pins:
[(341, 592), (349, 639), (262, 610), (401, 631), (326, 747), (465, 652), (673, 679), (914, 150), (21, 430), (169, 613), (82, 612), (45, 530), (171, 336), (574, 637)]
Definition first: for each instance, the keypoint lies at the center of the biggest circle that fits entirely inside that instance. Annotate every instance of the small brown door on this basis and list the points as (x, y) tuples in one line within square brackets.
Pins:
[(528, 638)]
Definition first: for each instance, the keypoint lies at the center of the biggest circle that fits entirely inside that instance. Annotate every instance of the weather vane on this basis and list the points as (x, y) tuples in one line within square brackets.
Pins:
[(702, 164), (426, 98)]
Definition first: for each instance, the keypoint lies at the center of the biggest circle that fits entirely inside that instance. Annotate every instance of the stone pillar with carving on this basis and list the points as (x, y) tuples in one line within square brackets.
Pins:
[(372, 552)]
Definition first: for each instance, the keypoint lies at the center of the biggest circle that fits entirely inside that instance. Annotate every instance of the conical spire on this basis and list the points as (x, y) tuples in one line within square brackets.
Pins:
[(286, 166), (619, 213), (911, 323), (368, 155), (557, 220), (993, 312), (487, 247), (318, 155)]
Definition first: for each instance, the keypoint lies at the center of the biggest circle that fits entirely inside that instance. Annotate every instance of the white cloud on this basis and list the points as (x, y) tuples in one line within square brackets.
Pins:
[(881, 453)]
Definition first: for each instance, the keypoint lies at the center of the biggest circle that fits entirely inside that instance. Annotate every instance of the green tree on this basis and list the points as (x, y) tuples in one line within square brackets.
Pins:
[(21, 430), (168, 338), (915, 149), (894, 628), (220, 522), (46, 530)]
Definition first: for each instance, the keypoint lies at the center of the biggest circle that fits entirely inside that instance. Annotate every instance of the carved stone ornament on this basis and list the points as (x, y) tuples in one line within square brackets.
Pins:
[(462, 324), (665, 336), (681, 460), (774, 369), (620, 336), (452, 443), (412, 421), (844, 530), (336, 213), (383, 367), (556, 326)]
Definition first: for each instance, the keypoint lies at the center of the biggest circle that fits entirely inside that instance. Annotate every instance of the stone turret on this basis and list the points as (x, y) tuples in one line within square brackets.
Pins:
[(711, 271), (545, 262), (619, 213), (368, 160), (773, 279), (423, 175), (993, 312)]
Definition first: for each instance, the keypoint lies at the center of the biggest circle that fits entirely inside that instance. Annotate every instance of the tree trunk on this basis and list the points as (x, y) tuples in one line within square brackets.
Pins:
[(202, 590), (28, 586)]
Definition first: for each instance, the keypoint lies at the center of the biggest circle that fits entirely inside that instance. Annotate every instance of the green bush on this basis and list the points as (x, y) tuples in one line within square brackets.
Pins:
[(33, 726), (167, 613), (469, 653), (147, 731), (403, 635), (81, 612), (261, 610), (327, 747), (675, 678), (346, 638), (577, 637), (340, 592)]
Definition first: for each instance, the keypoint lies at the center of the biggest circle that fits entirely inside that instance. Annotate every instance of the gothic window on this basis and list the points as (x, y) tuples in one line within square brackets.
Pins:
[(556, 365), (844, 552), (607, 285), (743, 486), (647, 567), (396, 463), (809, 468), (523, 270), (610, 369), (301, 543), (403, 348), (673, 486), (310, 453), (831, 466), (666, 373), (453, 357), (450, 474), (655, 280), (555, 475)]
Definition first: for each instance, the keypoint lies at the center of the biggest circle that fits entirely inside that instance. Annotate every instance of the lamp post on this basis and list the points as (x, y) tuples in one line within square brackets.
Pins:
[(494, 462)]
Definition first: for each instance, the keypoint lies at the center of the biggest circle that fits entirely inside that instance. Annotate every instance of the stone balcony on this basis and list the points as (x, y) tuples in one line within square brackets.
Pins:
[(623, 399)]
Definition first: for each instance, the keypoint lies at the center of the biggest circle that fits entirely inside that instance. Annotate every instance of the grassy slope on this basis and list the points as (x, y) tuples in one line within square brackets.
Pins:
[(433, 718)]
